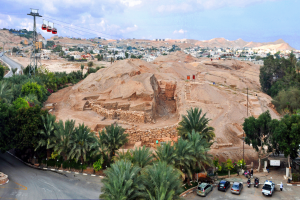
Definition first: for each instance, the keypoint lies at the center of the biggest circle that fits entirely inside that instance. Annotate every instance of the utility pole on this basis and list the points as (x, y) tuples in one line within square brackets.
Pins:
[(35, 57), (244, 131)]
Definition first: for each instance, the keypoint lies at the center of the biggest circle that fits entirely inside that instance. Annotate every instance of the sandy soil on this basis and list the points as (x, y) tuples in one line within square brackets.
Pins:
[(220, 90), (61, 65)]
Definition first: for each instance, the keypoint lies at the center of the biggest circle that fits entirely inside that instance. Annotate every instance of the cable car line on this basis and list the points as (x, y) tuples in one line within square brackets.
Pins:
[(84, 28)]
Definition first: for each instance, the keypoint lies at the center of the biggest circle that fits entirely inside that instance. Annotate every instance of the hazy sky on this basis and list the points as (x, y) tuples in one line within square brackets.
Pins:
[(251, 20)]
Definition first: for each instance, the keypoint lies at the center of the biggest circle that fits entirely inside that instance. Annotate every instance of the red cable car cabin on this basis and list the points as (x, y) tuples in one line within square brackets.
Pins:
[(49, 29), (54, 31), (44, 27)]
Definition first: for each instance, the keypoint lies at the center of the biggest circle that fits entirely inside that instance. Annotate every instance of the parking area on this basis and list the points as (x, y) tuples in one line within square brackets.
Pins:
[(252, 193)]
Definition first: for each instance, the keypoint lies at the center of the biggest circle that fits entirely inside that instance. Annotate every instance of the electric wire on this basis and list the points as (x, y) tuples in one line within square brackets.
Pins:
[(82, 27)]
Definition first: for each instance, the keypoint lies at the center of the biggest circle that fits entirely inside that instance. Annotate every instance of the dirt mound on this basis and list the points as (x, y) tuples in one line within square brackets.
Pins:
[(147, 96)]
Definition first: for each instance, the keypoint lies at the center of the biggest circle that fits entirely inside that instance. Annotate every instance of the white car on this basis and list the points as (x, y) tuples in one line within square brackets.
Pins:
[(268, 188)]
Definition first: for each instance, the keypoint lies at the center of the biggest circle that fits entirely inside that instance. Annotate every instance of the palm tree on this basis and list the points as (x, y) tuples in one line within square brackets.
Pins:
[(98, 147), (47, 132), (200, 148), (141, 156), (184, 156), (5, 92), (14, 70), (61, 142), (193, 120), (113, 138), (166, 153), (161, 181), (121, 182), (81, 142)]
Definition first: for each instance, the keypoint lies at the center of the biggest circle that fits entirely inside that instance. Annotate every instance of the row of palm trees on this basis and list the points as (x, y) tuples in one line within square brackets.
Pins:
[(73, 142), (141, 173)]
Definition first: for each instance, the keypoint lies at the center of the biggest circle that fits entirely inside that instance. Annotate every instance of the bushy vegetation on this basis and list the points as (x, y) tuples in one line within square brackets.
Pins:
[(278, 135), (279, 78)]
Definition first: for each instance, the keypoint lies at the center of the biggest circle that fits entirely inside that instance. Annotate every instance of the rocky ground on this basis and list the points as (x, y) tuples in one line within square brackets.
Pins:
[(148, 99)]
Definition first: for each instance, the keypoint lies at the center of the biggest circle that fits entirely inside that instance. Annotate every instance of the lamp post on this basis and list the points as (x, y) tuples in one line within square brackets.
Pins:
[(46, 163), (81, 168), (57, 164), (34, 159)]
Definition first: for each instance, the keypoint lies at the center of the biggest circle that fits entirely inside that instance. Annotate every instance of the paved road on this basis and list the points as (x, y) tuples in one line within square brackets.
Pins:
[(11, 63), (26, 183)]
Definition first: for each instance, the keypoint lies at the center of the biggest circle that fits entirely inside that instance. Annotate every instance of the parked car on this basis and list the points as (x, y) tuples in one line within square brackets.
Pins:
[(204, 188), (268, 188), (223, 185), (236, 188)]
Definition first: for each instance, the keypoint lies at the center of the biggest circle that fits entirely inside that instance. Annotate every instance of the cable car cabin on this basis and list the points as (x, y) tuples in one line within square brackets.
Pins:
[(49, 29), (54, 31), (44, 27)]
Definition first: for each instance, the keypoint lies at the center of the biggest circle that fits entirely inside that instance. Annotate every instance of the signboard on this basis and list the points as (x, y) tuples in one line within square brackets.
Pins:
[(274, 162), (194, 77), (188, 77)]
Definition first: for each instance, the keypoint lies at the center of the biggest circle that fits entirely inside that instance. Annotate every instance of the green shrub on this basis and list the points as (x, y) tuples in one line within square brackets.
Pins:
[(296, 177), (20, 103), (36, 89), (98, 164), (1, 72)]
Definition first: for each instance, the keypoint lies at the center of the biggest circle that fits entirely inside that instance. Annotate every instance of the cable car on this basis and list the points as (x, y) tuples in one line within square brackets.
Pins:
[(54, 30), (44, 26), (49, 29)]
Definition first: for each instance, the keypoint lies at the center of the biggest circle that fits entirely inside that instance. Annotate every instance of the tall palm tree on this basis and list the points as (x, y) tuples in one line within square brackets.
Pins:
[(47, 132), (14, 70), (5, 92), (166, 153), (184, 156), (114, 138), (98, 147), (61, 141), (200, 148), (121, 182), (161, 181), (81, 142), (141, 156), (194, 120)]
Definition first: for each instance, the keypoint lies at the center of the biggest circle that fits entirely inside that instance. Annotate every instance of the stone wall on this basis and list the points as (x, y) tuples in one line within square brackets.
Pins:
[(129, 116), (148, 137)]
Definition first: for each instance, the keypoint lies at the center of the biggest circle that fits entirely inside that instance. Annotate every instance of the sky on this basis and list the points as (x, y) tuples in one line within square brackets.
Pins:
[(250, 20)]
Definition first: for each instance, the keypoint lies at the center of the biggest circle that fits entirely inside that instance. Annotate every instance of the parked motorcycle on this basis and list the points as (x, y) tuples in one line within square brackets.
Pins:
[(256, 184), (249, 182)]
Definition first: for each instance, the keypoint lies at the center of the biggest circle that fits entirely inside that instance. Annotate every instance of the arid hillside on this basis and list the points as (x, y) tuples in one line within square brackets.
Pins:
[(148, 99)]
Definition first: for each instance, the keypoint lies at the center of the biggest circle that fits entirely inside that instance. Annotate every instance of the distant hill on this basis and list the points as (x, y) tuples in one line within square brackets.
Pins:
[(239, 43)]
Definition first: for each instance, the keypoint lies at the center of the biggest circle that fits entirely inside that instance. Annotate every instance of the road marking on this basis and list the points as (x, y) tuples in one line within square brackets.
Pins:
[(52, 169), (60, 170), (23, 187), (84, 174), (76, 173), (51, 185), (68, 171), (93, 175), (289, 184), (45, 168)]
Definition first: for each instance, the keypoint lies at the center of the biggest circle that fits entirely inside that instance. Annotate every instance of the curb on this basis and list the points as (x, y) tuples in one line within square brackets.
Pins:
[(52, 170)]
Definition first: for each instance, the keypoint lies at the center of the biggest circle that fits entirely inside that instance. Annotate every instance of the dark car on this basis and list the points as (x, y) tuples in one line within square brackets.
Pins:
[(236, 188), (223, 185)]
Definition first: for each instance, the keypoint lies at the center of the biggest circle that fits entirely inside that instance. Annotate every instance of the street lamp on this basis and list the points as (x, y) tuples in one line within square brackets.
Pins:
[(57, 164), (34, 159), (46, 163), (81, 168)]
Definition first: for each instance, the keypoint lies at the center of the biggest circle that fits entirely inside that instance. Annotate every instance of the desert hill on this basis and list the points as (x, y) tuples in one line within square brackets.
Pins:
[(12, 40), (239, 43), (148, 99)]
